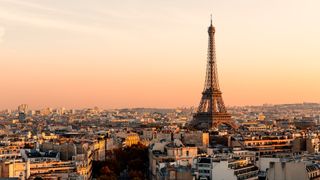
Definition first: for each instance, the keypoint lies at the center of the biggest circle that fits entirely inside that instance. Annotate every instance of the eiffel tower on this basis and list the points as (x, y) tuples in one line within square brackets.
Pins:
[(211, 112)]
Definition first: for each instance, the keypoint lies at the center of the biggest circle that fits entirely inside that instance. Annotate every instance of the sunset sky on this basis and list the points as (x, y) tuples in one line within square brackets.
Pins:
[(143, 53)]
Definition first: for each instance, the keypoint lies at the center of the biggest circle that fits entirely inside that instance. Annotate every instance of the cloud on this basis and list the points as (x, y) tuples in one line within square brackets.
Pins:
[(42, 16), (49, 23), (2, 32), (35, 6), (98, 20)]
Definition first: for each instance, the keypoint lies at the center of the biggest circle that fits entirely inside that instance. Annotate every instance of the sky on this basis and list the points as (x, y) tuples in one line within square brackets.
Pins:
[(142, 53)]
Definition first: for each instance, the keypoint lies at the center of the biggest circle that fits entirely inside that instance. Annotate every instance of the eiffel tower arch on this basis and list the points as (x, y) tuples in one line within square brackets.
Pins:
[(211, 111)]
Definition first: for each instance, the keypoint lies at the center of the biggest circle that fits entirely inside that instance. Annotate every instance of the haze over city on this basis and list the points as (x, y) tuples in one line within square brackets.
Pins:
[(116, 54), (159, 90)]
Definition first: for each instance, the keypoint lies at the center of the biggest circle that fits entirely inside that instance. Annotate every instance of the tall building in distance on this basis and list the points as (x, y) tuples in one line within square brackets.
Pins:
[(211, 112), (23, 108)]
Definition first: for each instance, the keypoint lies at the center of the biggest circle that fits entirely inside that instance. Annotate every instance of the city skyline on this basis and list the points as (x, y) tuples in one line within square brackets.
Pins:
[(117, 55)]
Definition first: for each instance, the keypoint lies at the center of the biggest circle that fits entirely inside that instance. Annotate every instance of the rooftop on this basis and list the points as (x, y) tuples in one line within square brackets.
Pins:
[(34, 154)]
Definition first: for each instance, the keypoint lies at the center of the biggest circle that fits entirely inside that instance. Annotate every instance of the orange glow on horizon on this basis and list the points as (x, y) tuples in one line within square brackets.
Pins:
[(153, 54)]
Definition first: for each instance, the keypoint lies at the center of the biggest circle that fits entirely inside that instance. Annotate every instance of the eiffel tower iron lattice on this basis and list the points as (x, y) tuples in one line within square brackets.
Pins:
[(211, 112)]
